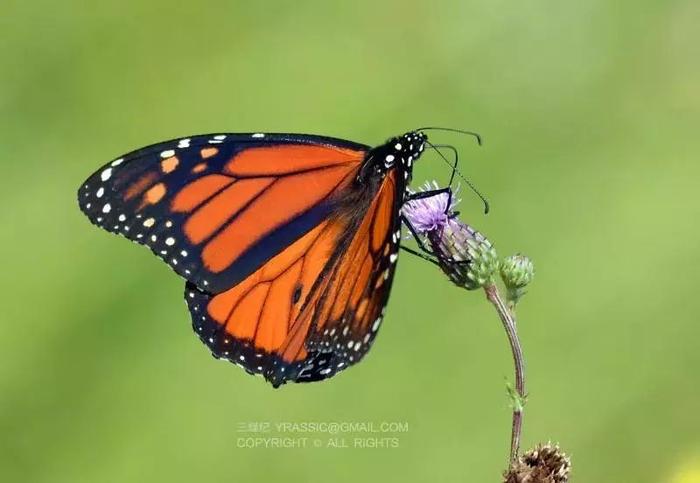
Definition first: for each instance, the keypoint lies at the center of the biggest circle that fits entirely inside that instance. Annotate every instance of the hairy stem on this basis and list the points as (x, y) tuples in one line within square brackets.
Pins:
[(493, 295)]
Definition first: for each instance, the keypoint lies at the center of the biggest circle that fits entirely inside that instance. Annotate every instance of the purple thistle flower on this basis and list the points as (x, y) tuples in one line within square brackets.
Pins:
[(431, 213), (464, 254)]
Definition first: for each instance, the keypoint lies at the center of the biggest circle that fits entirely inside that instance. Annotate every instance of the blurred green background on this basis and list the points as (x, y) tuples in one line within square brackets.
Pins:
[(590, 113)]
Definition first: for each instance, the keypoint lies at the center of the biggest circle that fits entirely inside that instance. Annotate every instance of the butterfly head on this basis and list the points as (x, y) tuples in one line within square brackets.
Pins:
[(408, 147), (398, 152)]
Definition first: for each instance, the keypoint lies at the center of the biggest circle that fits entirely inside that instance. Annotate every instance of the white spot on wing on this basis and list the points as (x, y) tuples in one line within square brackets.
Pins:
[(106, 174)]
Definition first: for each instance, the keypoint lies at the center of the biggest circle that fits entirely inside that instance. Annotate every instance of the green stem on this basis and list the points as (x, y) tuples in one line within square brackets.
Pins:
[(493, 295)]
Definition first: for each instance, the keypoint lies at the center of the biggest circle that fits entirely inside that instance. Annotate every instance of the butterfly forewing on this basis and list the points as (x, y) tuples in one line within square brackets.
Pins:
[(217, 207)]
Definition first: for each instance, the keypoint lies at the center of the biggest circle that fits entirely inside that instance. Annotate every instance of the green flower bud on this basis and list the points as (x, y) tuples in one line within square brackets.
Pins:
[(517, 271)]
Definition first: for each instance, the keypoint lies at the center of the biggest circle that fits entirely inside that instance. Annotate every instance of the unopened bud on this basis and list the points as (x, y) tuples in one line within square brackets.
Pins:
[(517, 271)]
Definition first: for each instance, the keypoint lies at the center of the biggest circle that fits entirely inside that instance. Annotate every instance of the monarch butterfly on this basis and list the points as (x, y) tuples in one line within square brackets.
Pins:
[(288, 242)]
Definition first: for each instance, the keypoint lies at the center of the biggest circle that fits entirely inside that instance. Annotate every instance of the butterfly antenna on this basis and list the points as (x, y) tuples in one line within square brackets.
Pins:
[(483, 199), (449, 129)]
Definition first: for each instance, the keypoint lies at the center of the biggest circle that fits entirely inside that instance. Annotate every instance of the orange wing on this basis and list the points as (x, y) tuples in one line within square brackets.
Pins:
[(217, 208), (314, 308)]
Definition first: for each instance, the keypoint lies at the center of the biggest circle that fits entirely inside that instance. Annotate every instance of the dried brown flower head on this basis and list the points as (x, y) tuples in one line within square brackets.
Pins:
[(545, 463)]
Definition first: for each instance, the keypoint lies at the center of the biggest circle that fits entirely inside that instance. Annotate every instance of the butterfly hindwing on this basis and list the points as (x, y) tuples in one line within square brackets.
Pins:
[(353, 306), (217, 207), (255, 324)]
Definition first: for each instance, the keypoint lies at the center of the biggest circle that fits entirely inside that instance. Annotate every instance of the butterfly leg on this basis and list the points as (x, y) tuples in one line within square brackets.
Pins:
[(419, 255), (430, 193), (422, 195), (427, 253), (427, 194), (416, 237)]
